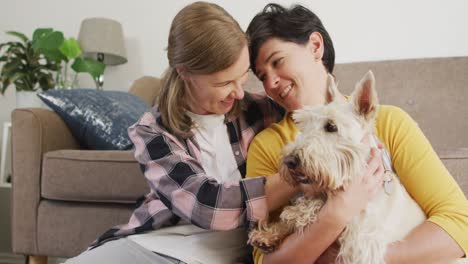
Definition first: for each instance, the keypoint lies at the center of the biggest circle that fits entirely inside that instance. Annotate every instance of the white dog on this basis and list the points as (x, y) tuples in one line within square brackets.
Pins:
[(329, 150)]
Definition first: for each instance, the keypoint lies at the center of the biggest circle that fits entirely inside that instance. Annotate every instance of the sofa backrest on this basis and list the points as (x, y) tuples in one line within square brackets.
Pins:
[(147, 88), (433, 91)]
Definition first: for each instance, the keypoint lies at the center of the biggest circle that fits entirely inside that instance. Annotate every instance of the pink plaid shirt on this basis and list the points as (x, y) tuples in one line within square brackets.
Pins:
[(179, 185)]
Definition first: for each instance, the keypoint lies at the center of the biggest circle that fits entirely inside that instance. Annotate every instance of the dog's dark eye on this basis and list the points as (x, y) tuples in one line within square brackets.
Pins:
[(330, 126)]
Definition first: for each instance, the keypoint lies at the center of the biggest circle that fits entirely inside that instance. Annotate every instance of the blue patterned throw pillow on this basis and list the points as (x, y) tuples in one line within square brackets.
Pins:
[(98, 119)]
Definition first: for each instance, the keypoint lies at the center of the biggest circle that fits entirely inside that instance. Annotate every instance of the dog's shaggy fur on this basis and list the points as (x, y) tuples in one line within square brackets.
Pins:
[(327, 153)]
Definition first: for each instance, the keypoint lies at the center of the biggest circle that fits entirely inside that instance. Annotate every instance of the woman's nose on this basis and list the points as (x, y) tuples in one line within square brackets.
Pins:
[(272, 81), (238, 92)]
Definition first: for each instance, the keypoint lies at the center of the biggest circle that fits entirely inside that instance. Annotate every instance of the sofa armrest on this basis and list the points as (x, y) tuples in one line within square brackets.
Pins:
[(34, 132), (456, 161)]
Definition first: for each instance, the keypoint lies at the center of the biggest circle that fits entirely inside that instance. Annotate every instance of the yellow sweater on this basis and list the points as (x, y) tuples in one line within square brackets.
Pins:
[(417, 165)]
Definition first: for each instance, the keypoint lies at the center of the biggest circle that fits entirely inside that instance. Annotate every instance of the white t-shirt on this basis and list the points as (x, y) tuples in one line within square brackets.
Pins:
[(188, 242), (217, 157)]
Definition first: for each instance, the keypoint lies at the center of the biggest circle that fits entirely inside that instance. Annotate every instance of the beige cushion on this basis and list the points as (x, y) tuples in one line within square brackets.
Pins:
[(67, 229), (95, 176)]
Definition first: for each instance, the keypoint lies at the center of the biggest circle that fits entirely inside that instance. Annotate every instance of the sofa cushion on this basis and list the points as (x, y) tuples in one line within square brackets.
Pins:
[(66, 229), (93, 176), (97, 119)]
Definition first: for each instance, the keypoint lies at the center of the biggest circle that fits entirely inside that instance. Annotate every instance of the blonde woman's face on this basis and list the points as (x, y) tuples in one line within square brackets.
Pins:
[(215, 93)]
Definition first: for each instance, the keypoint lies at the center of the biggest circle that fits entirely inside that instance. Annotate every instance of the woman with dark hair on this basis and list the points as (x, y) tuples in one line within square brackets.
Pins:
[(293, 25), (292, 54)]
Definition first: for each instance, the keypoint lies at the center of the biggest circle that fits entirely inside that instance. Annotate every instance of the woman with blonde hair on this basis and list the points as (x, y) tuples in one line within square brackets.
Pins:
[(192, 149)]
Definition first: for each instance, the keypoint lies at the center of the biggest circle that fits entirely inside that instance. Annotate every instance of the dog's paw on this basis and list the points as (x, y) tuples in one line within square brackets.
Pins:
[(264, 241), (266, 246)]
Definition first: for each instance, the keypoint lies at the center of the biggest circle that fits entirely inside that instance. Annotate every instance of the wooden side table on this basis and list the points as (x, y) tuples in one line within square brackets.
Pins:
[(5, 143)]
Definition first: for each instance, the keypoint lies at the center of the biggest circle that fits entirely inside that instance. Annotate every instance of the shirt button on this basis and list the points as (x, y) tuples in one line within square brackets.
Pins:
[(237, 153)]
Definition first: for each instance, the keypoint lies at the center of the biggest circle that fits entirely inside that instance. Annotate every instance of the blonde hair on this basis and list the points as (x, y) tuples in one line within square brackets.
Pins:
[(203, 39)]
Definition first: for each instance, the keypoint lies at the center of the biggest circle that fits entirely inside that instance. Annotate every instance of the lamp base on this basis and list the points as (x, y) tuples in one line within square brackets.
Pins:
[(100, 79), (99, 82)]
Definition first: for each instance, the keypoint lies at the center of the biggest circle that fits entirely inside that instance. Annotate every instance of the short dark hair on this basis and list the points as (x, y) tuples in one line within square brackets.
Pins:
[(294, 24)]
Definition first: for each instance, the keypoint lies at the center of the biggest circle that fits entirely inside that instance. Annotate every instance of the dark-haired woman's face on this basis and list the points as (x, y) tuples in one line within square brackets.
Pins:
[(292, 74)]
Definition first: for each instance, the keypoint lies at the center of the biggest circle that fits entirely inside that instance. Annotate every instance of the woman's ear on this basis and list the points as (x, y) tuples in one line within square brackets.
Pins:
[(316, 45), (182, 71)]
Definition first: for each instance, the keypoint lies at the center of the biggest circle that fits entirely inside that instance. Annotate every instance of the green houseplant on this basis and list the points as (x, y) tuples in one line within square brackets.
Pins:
[(24, 67), (43, 62), (66, 53)]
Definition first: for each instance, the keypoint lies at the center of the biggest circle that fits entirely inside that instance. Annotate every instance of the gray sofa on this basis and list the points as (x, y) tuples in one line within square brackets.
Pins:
[(65, 196)]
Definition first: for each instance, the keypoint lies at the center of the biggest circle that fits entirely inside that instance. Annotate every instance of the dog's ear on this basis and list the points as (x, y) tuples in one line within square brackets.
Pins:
[(364, 97), (301, 116), (332, 90)]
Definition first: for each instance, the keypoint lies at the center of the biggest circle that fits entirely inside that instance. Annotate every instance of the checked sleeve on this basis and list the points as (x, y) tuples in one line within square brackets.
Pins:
[(174, 173)]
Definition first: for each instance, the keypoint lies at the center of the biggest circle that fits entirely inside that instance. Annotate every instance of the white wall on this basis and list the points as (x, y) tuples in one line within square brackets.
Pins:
[(361, 29)]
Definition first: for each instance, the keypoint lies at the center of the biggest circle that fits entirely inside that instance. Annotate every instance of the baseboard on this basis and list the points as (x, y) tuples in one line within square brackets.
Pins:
[(9, 258)]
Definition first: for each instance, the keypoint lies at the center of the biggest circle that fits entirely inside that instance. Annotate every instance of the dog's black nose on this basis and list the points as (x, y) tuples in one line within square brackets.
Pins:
[(291, 162)]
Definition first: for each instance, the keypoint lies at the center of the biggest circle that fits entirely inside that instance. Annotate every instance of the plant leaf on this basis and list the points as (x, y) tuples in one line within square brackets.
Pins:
[(11, 68), (16, 53), (48, 42), (54, 55), (19, 35), (20, 86), (91, 66), (17, 76), (41, 33), (46, 67), (12, 45), (5, 84), (46, 81), (70, 48), (52, 66)]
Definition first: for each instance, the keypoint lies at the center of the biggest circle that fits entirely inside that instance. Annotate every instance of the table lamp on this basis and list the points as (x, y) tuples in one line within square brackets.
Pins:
[(102, 39)]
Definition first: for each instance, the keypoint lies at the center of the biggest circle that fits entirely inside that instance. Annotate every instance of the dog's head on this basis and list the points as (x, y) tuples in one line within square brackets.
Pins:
[(328, 150)]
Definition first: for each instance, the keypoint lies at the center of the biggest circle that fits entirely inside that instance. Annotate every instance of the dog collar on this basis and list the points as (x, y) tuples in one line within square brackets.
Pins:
[(388, 182), (388, 170)]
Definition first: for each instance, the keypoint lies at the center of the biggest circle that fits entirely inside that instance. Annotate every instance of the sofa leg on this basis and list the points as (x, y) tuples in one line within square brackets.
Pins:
[(36, 260)]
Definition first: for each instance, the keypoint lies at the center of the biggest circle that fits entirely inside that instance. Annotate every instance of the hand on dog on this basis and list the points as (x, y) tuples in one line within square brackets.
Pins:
[(309, 190), (353, 198), (330, 254)]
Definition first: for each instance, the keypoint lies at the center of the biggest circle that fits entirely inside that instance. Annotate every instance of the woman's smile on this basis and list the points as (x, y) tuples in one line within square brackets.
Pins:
[(286, 91)]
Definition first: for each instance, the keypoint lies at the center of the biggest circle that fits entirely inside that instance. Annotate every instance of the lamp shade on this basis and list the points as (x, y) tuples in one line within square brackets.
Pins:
[(103, 35)]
